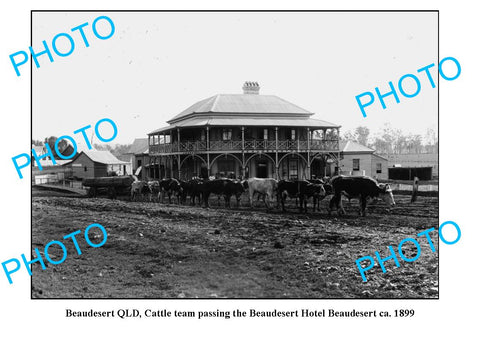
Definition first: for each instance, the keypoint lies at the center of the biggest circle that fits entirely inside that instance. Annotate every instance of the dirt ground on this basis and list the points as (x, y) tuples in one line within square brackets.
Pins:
[(156, 250)]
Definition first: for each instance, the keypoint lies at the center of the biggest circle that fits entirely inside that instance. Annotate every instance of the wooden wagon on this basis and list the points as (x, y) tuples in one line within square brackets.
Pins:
[(113, 186)]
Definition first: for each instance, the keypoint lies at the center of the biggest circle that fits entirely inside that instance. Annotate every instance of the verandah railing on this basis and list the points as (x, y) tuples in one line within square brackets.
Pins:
[(248, 145)]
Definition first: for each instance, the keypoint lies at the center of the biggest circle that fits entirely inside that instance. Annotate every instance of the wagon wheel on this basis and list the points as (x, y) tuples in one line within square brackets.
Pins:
[(92, 192)]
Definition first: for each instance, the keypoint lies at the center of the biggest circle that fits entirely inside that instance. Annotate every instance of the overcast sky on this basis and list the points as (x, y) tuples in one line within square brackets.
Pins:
[(157, 64)]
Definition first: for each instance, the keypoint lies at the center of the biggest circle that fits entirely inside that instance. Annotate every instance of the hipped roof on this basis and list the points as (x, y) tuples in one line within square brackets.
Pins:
[(350, 146), (241, 103)]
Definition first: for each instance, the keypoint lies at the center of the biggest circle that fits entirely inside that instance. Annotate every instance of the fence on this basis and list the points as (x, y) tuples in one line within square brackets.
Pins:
[(57, 179)]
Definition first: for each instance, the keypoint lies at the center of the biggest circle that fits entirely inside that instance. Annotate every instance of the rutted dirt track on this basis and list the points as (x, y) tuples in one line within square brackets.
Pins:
[(169, 251)]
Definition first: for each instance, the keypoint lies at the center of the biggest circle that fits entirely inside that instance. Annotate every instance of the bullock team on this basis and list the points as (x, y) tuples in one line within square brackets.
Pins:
[(200, 190)]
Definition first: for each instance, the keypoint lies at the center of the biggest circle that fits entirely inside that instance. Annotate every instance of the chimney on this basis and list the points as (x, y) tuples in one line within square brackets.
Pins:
[(251, 87)]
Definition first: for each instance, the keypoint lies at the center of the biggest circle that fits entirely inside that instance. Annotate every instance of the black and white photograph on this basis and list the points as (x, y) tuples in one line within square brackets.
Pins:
[(236, 155), (239, 170)]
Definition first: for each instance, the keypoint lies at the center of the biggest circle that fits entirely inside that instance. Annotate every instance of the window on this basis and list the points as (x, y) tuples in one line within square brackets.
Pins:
[(139, 163), (265, 134), (356, 164), (227, 134), (293, 134), (379, 168), (84, 168)]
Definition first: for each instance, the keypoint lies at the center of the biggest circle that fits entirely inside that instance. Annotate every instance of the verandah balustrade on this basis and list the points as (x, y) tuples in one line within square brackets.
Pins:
[(248, 145)]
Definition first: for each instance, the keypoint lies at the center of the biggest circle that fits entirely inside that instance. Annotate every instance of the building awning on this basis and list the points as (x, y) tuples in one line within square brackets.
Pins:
[(267, 122)]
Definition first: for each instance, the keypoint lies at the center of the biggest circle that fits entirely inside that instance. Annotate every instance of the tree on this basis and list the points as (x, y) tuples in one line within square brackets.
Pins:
[(400, 142), (117, 150), (395, 141), (102, 147), (62, 145), (361, 135), (331, 134), (414, 144), (348, 135), (121, 149), (381, 146), (431, 141)]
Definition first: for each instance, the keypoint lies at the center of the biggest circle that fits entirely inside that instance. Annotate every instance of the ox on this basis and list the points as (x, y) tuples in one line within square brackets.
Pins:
[(301, 189), (326, 185), (170, 187), (328, 190), (195, 189), (154, 188), (185, 186), (192, 189), (361, 187), (139, 188), (225, 187), (263, 186)]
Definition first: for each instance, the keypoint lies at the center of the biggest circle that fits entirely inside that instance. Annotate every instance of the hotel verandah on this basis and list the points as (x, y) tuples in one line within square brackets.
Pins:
[(242, 135)]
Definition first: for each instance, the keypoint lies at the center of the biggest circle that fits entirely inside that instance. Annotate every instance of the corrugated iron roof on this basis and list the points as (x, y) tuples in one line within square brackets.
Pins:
[(139, 145), (103, 157), (352, 146), (242, 103), (254, 121), (377, 155), (125, 158)]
